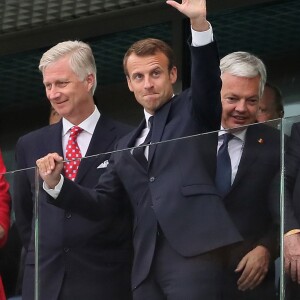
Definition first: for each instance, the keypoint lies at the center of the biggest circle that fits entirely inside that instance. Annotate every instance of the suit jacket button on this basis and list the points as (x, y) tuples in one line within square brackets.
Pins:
[(152, 179), (68, 215)]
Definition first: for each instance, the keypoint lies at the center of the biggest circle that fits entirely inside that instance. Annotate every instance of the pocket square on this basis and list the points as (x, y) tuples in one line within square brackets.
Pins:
[(103, 165)]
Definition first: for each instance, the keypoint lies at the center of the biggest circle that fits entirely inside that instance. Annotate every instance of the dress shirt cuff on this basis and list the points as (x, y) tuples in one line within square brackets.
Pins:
[(293, 231), (54, 192), (202, 38)]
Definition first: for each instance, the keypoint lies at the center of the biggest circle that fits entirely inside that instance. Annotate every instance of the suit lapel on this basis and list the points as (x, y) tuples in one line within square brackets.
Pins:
[(53, 134), (250, 153), (135, 134), (101, 141), (131, 143), (159, 124)]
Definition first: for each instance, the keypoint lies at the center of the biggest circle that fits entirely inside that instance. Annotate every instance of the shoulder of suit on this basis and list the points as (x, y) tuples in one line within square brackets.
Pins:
[(120, 127), (296, 126), (40, 133), (263, 131), (123, 127)]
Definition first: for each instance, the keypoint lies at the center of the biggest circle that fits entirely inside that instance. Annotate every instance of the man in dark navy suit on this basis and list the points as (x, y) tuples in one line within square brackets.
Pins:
[(78, 258), (180, 224), (292, 215), (255, 160)]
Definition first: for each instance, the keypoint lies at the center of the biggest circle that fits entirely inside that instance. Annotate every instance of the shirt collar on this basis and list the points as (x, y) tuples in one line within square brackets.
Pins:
[(240, 134), (147, 116), (88, 125)]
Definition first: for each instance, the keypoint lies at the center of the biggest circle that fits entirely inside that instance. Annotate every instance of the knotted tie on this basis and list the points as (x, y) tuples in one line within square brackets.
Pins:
[(223, 173), (139, 153), (73, 154)]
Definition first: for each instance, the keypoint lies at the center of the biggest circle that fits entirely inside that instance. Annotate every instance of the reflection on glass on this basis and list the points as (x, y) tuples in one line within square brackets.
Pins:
[(186, 216), (235, 232)]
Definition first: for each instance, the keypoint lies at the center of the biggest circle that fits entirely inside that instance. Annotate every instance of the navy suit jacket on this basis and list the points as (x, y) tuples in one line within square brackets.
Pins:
[(292, 195), (292, 180), (248, 202), (79, 258), (177, 190), (251, 201)]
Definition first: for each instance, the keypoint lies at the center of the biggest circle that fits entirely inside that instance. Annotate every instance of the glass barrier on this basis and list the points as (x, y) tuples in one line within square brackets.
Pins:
[(186, 214), (290, 209)]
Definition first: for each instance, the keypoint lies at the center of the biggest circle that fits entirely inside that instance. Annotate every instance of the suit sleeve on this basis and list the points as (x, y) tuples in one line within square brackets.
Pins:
[(206, 86), (105, 201), (292, 172), (4, 202), (271, 240)]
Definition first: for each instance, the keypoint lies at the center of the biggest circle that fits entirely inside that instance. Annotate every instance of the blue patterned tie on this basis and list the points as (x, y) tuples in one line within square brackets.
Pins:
[(223, 173)]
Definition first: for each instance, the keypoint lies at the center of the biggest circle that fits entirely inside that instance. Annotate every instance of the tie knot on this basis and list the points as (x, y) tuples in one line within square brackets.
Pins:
[(75, 130), (227, 137)]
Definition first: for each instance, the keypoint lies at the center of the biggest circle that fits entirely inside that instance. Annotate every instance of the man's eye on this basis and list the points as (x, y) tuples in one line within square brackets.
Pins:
[(63, 83), (252, 101), (156, 73), (137, 77), (231, 99)]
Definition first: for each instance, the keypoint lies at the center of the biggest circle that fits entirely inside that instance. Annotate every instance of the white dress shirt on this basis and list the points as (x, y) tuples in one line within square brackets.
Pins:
[(84, 138), (83, 141)]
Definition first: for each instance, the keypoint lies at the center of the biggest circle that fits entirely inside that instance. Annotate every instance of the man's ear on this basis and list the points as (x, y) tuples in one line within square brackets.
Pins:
[(90, 79), (173, 75)]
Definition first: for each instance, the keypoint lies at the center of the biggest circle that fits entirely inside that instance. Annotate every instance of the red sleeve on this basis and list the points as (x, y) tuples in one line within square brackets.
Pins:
[(4, 202)]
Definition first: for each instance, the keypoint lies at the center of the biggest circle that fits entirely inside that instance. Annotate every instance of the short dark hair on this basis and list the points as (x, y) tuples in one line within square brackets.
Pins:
[(147, 47)]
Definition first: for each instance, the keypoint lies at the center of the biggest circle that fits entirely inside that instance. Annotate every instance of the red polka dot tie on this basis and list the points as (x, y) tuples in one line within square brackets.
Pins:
[(73, 154)]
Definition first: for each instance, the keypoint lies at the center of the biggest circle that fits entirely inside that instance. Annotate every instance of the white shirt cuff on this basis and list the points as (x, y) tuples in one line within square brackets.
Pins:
[(54, 192), (202, 38)]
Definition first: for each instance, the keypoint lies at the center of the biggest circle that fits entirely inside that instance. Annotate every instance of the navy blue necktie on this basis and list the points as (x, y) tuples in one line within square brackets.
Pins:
[(139, 153), (223, 173)]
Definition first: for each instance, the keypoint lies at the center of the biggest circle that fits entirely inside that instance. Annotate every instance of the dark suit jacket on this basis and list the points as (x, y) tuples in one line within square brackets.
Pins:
[(78, 257), (292, 180), (249, 205), (177, 191), (291, 199), (248, 201)]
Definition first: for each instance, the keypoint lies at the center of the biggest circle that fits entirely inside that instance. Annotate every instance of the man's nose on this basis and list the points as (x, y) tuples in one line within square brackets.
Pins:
[(241, 105), (148, 82), (53, 93)]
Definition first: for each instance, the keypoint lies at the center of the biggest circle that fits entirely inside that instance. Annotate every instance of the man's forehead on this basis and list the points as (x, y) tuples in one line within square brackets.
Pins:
[(158, 58)]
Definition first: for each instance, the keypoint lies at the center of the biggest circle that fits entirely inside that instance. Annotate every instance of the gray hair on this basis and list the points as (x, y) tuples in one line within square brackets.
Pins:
[(82, 60), (244, 64)]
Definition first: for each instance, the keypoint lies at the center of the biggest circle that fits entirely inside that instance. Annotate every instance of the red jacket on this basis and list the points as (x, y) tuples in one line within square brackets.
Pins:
[(4, 212)]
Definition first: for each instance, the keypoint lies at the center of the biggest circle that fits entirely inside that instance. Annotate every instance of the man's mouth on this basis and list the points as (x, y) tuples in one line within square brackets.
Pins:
[(239, 118), (60, 102)]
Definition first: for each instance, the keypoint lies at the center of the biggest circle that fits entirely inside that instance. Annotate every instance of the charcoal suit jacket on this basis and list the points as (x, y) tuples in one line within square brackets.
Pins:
[(251, 202), (79, 258), (292, 180)]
